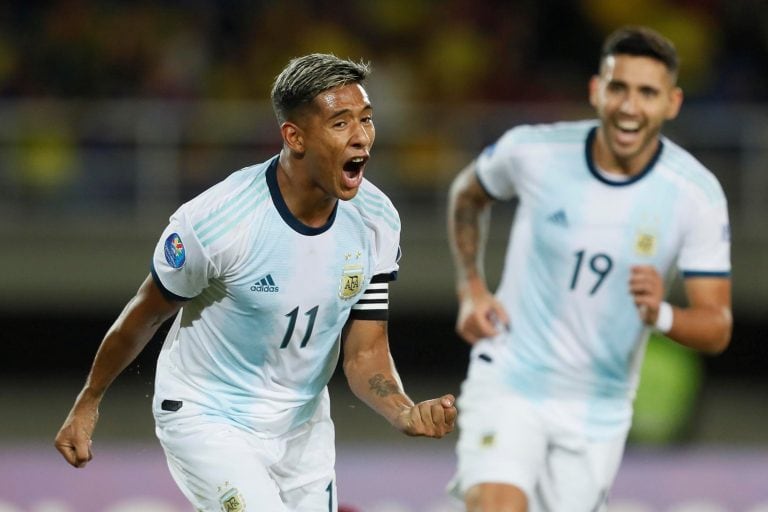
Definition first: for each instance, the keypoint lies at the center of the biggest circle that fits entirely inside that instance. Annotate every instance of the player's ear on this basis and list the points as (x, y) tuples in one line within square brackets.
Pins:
[(675, 102), (293, 137), (594, 90)]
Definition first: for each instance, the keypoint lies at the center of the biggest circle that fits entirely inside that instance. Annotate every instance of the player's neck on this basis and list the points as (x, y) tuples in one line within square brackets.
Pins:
[(609, 162), (306, 202)]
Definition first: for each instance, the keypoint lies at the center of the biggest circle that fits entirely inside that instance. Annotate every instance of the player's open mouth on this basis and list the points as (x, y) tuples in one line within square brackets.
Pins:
[(627, 131), (353, 170)]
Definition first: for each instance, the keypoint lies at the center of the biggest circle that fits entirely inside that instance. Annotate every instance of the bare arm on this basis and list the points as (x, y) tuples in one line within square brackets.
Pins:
[(372, 377), (469, 209), (129, 334), (704, 325)]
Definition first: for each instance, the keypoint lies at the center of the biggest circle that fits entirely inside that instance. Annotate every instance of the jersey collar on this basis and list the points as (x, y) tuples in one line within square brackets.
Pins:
[(285, 213), (593, 169)]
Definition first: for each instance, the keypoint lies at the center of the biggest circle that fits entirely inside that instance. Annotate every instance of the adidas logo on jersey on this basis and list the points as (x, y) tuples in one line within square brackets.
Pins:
[(265, 284), (559, 218)]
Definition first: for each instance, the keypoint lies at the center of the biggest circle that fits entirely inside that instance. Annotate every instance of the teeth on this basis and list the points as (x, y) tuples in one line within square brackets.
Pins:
[(358, 160), (628, 125)]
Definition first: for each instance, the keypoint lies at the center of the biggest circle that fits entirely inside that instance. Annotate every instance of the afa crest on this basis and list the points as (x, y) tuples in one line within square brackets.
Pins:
[(352, 275), (232, 501), (352, 279), (488, 439), (645, 244)]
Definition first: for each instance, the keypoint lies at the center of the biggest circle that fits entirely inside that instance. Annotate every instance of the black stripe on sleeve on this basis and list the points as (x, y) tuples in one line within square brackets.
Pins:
[(369, 314), (384, 278), (165, 291)]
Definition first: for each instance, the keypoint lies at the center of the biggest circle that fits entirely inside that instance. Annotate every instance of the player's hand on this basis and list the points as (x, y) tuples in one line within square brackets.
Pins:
[(647, 289), (430, 418), (480, 316), (74, 438)]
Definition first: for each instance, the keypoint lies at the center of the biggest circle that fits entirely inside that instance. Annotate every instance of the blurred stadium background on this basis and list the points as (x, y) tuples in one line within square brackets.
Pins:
[(113, 113)]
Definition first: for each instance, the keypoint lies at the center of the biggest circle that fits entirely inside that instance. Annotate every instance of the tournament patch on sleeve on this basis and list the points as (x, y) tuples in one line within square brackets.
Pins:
[(175, 253)]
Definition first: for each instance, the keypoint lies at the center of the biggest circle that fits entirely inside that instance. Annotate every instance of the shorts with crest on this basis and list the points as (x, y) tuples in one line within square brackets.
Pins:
[(505, 438), (221, 467)]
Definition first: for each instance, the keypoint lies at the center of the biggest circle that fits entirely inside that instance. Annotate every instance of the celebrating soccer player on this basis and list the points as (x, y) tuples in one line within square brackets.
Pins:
[(607, 210)]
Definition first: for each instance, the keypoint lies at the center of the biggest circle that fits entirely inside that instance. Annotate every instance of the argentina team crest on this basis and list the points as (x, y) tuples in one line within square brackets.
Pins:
[(352, 276), (232, 501), (645, 244), (647, 236)]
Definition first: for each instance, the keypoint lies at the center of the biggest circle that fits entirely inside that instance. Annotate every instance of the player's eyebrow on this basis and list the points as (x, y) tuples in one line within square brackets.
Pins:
[(346, 111), (642, 87), (649, 88), (339, 113)]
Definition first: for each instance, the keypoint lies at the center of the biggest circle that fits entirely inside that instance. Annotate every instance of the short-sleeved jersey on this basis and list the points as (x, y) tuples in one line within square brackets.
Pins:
[(575, 331), (266, 297)]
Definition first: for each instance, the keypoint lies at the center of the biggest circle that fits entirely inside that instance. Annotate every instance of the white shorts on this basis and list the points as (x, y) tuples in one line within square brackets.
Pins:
[(222, 468), (504, 438)]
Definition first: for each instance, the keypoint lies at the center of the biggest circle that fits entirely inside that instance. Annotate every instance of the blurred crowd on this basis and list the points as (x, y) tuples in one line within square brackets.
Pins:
[(422, 50), (433, 62)]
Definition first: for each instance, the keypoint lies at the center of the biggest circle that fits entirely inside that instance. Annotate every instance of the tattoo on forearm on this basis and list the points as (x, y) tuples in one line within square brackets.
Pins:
[(383, 387), (468, 232)]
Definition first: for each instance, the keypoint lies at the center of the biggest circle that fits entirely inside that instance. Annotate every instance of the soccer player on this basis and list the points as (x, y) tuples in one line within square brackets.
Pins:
[(608, 210), (268, 273)]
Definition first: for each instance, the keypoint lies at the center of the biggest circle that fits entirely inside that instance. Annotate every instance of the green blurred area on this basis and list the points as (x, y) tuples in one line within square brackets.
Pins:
[(670, 382)]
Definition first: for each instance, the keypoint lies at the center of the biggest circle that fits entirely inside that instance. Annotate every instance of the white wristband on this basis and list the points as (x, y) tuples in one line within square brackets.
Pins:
[(665, 317)]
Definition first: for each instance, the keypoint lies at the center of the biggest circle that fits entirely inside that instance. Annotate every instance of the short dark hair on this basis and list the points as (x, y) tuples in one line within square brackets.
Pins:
[(306, 77), (642, 42)]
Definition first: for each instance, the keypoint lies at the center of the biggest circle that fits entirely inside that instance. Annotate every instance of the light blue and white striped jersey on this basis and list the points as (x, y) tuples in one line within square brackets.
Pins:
[(575, 331), (266, 298)]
